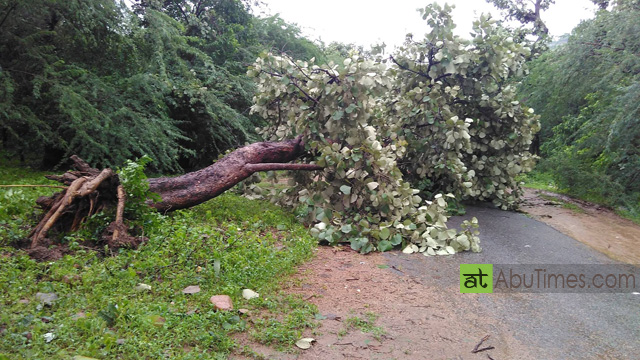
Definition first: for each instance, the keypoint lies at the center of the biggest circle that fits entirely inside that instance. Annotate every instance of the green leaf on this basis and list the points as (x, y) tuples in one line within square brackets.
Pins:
[(384, 233), (345, 189), (346, 228), (385, 245), (396, 240)]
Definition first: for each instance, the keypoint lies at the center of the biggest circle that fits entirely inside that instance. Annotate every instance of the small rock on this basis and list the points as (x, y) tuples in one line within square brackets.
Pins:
[(47, 298), (333, 317), (27, 335), (221, 302), (249, 294), (46, 319), (193, 289), (142, 287), (305, 343), (48, 337), (23, 301), (243, 311), (120, 341)]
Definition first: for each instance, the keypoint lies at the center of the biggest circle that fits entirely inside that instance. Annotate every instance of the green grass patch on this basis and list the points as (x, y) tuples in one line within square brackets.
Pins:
[(282, 321), (17, 203), (538, 180), (224, 246), (626, 206), (366, 325), (564, 204)]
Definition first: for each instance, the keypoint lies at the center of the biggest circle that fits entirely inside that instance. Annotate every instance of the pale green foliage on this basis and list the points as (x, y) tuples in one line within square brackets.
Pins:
[(466, 132), (441, 109)]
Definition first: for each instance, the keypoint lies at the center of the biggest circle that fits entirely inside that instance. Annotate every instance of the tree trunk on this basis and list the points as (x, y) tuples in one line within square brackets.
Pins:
[(91, 190), (199, 186)]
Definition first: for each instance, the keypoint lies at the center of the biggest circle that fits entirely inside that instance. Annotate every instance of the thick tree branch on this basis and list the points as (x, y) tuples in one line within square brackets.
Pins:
[(199, 186)]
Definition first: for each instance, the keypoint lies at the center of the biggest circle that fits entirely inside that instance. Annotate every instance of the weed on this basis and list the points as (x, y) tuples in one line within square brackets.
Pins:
[(365, 325), (225, 245)]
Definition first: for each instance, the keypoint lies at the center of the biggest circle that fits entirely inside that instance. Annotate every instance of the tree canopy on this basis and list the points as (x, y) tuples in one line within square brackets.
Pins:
[(437, 120), (97, 79), (588, 94)]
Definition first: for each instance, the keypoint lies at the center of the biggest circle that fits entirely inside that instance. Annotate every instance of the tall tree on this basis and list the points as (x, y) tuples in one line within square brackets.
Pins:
[(527, 12), (587, 93)]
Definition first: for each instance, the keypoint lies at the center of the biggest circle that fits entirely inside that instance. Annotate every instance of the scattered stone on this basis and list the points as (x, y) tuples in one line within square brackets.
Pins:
[(23, 301), (193, 289), (120, 341), (48, 337), (192, 311), (221, 302), (243, 311), (249, 294), (47, 298), (142, 287), (46, 319), (27, 335), (333, 317), (305, 343)]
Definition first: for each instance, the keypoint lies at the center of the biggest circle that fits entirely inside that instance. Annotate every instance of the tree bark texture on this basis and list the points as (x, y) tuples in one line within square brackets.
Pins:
[(199, 186)]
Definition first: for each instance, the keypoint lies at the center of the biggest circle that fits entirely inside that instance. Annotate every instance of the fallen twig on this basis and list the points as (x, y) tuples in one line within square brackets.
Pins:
[(476, 348), (483, 349)]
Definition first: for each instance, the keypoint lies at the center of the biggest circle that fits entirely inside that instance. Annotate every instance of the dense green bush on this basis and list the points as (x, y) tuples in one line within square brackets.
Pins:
[(588, 94)]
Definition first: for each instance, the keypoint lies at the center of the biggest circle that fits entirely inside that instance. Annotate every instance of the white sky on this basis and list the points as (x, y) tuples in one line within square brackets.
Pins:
[(366, 22)]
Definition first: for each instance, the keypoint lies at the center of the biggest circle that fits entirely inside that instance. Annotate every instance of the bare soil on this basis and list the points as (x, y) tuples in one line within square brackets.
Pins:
[(595, 226), (422, 322)]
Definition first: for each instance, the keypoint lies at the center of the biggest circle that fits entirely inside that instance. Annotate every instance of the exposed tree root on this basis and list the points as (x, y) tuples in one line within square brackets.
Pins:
[(89, 191)]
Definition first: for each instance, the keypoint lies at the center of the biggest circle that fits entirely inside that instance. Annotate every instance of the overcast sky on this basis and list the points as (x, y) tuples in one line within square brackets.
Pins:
[(366, 22)]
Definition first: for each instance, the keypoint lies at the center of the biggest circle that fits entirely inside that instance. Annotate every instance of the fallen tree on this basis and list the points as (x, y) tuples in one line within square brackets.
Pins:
[(399, 141), (91, 190)]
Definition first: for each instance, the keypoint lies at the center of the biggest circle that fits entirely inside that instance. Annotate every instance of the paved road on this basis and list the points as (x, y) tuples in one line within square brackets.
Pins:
[(552, 325)]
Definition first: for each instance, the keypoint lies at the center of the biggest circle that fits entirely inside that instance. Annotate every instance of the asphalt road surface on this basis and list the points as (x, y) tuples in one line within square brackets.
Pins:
[(552, 325)]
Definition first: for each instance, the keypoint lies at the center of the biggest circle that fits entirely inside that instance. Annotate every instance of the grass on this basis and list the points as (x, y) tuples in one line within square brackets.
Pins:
[(564, 204), (365, 325), (544, 181), (225, 245), (539, 181)]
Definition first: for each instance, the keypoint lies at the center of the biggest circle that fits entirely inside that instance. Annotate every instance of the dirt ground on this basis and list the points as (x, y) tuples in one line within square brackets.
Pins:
[(422, 322), (588, 225)]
